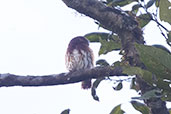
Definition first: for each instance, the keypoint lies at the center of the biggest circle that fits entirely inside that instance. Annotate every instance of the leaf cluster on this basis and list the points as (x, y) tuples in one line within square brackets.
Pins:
[(162, 7), (157, 61)]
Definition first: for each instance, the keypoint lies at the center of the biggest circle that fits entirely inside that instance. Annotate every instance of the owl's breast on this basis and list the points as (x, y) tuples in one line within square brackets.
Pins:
[(79, 59)]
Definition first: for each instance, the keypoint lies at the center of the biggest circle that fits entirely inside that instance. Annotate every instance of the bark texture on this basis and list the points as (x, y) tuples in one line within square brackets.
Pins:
[(7, 80)]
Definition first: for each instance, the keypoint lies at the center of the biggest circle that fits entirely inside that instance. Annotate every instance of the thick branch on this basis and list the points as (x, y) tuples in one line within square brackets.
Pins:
[(111, 18), (58, 79)]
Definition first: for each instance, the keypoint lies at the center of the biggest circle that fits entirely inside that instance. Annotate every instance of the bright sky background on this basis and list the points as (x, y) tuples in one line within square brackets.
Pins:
[(34, 35)]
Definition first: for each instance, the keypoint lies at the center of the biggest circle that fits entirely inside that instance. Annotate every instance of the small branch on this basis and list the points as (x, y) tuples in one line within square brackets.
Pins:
[(164, 36), (159, 24), (154, 18), (59, 79)]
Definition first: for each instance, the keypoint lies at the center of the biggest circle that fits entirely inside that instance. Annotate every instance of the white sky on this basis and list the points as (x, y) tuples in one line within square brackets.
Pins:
[(34, 35)]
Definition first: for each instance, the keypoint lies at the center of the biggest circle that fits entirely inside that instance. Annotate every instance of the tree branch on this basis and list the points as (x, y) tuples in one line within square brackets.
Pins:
[(111, 18), (59, 79)]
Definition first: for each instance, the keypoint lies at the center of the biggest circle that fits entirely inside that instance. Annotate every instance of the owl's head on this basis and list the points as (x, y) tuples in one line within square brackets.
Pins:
[(79, 41)]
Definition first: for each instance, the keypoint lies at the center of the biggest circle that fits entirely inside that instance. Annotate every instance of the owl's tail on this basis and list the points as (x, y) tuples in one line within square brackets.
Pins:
[(86, 84)]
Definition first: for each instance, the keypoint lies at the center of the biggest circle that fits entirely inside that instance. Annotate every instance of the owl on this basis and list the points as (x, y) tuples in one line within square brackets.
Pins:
[(79, 56)]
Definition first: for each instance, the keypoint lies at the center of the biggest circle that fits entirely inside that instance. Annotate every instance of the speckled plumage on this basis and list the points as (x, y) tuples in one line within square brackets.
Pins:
[(79, 56)]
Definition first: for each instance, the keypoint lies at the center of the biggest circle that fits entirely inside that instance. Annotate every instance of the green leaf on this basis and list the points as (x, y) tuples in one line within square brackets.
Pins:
[(165, 11), (144, 19), (108, 41), (99, 24), (102, 62), (161, 47), (65, 111), (118, 87), (135, 8), (146, 75), (140, 107), (157, 3), (133, 84), (150, 3), (164, 85), (116, 63), (119, 2), (117, 110), (149, 94), (109, 45), (156, 60), (96, 36), (166, 96), (94, 87), (169, 36), (170, 110)]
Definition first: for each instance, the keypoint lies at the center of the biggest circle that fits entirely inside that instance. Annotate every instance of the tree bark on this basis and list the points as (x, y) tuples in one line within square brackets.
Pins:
[(111, 18), (8, 80)]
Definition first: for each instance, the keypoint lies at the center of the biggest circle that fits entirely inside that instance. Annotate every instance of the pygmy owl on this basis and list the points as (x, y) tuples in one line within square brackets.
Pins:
[(79, 56)]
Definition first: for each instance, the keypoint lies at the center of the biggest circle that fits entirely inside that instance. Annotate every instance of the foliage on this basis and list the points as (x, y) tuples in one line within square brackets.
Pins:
[(102, 62), (109, 42), (119, 86), (161, 47), (66, 111), (117, 110), (157, 60), (140, 107), (94, 87), (96, 36), (149, 94), (119, 2), (165, 12), (169, 36), (170, 111), (146, 17)]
